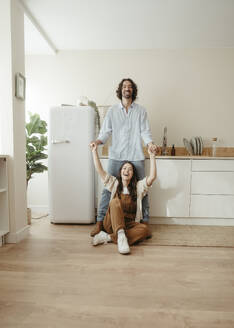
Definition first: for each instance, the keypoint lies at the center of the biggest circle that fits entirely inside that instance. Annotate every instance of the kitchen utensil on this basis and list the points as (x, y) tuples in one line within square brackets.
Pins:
[(188, 146)]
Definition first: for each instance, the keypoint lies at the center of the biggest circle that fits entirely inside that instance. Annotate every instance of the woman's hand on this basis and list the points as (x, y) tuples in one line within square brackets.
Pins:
[(153, 148), (153, 172), (151, 152), (93, 146)]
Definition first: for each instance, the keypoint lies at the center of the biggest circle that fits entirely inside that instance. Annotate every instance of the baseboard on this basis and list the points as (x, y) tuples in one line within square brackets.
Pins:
[(39, 209), (193, 221), (15, 237)]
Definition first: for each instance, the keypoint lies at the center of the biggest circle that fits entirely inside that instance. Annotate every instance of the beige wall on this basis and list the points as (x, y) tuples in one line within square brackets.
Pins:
[(188, 90)]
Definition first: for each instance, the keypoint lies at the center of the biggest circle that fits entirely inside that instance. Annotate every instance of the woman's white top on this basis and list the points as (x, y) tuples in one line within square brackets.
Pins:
[(125, 191), (111, 184)]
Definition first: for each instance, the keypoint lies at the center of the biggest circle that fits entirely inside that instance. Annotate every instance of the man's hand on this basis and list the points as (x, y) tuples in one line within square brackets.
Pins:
[(94, 144), (152, 148)]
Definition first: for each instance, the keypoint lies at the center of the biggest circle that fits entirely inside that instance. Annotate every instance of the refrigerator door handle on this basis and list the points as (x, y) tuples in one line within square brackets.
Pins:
[(54, 141)]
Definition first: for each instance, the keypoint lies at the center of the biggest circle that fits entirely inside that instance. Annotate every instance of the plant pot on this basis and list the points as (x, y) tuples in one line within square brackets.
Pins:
[(29, 216)]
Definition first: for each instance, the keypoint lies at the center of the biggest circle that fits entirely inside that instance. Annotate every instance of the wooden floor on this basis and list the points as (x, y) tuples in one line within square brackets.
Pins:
[(56, 278)]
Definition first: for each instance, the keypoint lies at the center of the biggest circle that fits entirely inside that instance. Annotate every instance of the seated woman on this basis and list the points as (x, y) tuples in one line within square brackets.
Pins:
[(122, 220)]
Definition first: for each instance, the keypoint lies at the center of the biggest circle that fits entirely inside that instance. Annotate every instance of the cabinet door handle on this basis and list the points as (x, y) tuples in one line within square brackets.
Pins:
[(59, 141)]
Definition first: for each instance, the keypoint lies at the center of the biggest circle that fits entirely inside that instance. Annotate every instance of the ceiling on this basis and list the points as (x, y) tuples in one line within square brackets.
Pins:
[(128, 24)]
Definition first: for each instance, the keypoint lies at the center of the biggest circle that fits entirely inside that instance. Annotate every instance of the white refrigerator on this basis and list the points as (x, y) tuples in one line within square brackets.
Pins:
[(70, 166)]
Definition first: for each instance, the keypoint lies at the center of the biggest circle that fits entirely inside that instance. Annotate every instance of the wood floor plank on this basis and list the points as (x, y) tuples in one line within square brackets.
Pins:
[(56, 278)]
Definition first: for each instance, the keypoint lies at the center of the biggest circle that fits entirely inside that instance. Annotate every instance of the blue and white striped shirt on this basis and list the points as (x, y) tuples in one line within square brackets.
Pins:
[(127, 130)]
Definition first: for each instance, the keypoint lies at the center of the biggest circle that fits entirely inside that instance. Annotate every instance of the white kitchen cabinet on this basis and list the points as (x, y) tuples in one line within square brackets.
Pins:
[(212, 206), (191, 189), (4, 206), (209, 165), (212, 183), (212, 188), (170, 193)]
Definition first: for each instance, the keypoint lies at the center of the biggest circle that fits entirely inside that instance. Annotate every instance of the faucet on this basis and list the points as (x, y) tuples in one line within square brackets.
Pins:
[(164, 145)]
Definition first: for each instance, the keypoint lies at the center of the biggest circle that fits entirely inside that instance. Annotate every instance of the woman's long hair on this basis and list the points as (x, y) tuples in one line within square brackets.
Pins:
[(132, 187), (134, 89)]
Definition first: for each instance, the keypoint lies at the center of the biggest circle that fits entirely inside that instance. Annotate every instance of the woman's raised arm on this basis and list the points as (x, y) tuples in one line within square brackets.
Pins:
[(96, 160), (153, 171)]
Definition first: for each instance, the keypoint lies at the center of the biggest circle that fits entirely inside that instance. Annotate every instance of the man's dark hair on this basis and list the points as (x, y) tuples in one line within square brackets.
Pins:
[(134, 89)]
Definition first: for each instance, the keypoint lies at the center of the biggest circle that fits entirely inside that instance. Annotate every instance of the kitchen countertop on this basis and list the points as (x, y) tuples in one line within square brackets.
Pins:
[(182, 157), (181, 153)]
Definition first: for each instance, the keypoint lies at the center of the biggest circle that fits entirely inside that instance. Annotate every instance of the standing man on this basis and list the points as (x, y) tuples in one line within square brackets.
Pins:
[(128, 124)]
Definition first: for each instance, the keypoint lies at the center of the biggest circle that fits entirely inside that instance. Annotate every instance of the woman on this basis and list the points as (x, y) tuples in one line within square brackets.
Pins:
[(122, 220)]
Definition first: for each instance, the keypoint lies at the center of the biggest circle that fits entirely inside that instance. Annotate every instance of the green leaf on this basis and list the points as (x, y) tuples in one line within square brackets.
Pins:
[(92, 104), (38, 168), (36, 141), (36, 125), (33, 157)]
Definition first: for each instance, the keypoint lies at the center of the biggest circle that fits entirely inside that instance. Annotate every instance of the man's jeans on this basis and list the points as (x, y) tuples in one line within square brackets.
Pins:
[(113, 169)]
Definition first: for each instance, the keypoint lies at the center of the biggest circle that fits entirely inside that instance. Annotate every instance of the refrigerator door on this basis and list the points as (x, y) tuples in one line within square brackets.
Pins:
[(71, 170)]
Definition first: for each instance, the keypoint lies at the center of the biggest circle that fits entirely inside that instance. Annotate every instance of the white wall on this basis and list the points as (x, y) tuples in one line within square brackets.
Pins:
[(188, 90), (12, 114)]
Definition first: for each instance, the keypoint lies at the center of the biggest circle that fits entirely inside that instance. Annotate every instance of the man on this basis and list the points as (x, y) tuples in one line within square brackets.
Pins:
[(127, 123)]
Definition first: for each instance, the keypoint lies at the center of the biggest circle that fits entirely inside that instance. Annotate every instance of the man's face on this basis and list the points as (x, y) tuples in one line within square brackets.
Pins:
[(127, 90)]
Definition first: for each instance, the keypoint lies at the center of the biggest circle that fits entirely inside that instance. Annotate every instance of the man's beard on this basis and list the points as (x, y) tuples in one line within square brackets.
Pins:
[(127, 95)]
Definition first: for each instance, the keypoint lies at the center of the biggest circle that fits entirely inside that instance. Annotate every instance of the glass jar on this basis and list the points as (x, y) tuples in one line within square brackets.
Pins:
[(214, 146)]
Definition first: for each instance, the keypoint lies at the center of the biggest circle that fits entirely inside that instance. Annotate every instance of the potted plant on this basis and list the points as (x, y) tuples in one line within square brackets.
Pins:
[(84, 101), (36, 141), (94, 106)]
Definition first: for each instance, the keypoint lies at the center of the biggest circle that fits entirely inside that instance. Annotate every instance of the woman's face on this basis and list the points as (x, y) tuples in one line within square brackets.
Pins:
[(127, 172)]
